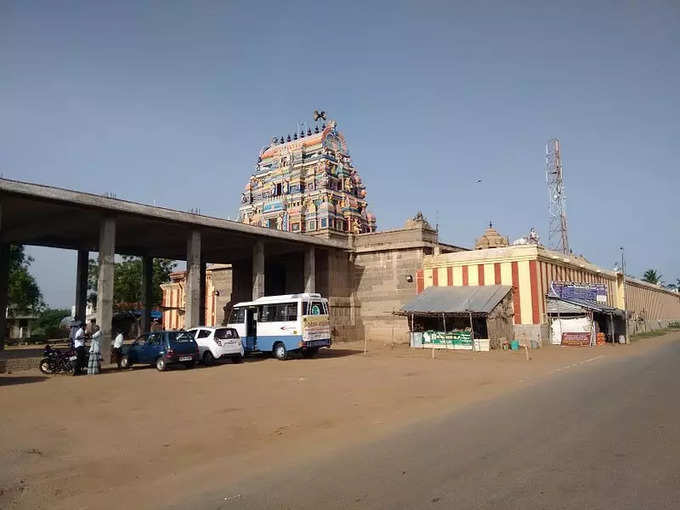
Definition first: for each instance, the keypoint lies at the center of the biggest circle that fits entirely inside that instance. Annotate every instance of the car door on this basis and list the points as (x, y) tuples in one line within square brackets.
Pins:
[(154, 346), (136, 349)]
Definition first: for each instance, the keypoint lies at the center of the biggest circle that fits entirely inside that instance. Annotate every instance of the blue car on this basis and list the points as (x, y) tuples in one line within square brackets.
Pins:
[(160, 349)]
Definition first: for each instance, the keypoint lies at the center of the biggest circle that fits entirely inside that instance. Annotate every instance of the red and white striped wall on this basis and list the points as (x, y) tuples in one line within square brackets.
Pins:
[(528, 269)]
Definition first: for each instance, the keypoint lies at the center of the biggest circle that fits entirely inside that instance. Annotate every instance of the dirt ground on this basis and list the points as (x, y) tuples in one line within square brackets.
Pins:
[(141, 438)]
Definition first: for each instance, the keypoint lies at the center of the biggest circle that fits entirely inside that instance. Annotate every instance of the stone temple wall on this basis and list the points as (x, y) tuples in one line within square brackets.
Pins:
[(381, 286)]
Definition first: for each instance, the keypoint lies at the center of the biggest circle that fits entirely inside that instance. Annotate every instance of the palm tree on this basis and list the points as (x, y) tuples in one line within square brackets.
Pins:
[(651, 276)]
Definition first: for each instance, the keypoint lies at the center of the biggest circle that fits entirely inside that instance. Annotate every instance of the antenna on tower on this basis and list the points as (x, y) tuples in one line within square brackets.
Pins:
[(557, 213)]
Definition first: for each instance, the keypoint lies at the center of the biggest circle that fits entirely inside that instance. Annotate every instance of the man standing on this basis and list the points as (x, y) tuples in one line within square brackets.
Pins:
[(79, 345), (94, 362), (116, 349)]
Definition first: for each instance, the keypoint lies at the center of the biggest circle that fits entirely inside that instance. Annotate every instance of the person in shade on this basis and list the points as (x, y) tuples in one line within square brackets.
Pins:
[(94, 363), (79, 346), (116, 349)]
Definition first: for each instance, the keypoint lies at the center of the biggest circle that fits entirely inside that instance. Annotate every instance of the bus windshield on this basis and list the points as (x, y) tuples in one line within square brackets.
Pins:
[(316, 307)]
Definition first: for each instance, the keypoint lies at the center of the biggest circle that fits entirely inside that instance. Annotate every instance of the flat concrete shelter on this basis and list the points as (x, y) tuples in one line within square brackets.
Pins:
[(40, 215)]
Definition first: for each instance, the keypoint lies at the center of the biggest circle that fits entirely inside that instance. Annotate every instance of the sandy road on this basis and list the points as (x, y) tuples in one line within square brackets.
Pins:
[(155, 439), (591, 437)]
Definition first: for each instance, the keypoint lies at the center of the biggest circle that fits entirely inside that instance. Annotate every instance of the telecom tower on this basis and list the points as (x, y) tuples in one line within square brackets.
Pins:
[(557, 214)]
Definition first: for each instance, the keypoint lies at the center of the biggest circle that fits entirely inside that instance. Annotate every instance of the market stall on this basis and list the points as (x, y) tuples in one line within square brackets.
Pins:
[(467, 318), (582, 322)]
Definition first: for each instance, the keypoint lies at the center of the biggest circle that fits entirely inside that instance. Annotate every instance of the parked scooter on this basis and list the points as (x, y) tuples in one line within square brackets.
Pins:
[(57, 362)]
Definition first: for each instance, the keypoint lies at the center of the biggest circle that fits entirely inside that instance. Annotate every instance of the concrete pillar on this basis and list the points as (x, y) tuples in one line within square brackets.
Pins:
[(258, 270), (192, 294), (310, 269), (107, 250), (4, 283), (201, 284), (147, 292), (81, 285)]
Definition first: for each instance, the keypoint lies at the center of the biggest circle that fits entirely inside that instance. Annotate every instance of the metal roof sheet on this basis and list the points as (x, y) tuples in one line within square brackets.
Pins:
[(574, 305), (460, 300)]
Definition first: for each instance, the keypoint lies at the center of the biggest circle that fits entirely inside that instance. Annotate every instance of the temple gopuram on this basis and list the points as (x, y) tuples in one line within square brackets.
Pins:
[(307, 183)]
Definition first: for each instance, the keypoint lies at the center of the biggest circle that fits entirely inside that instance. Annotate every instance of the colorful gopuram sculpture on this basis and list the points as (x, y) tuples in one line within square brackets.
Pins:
[(307, 183)]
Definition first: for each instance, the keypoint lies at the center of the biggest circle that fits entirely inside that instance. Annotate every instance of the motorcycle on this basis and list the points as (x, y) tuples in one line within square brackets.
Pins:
[(56, 361)]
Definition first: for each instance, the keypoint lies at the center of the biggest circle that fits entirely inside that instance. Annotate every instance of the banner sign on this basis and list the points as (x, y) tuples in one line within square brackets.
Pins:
[(439, 338), (576, 339), (315, 327), (584, 291)]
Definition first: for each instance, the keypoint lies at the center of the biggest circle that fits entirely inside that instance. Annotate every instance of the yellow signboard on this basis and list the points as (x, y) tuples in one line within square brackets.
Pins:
[(315, 327)]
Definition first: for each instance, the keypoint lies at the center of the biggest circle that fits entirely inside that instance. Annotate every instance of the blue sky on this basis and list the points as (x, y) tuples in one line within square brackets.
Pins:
[(171, 101)]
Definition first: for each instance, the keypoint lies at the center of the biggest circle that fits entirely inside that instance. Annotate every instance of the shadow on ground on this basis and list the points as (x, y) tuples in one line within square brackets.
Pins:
[(9, 380), (338, 353)]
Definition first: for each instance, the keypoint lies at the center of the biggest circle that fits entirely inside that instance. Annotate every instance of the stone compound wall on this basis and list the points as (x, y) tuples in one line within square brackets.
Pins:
[(532, 335), (381, 287), (643, 326), (381, 266)]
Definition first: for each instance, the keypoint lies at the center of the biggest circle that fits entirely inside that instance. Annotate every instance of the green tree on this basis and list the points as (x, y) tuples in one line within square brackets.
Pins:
[(48, 324), (127, 280), (652, 276), (92, 278), (23, 292)]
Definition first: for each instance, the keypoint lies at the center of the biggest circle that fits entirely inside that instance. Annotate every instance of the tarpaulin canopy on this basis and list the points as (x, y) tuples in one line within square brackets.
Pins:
[(456, 300)]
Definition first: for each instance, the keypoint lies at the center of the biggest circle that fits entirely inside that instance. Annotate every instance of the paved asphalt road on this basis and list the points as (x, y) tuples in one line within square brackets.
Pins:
[(605, 435)]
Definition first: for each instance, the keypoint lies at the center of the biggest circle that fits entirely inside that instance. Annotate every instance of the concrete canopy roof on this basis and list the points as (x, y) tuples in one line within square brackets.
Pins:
[(40, 215)]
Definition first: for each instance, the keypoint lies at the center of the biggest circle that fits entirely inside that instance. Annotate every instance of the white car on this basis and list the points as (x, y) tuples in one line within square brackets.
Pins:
[(216, 343)]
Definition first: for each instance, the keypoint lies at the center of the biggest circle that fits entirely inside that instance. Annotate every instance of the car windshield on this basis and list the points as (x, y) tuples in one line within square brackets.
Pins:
[(180, 336)]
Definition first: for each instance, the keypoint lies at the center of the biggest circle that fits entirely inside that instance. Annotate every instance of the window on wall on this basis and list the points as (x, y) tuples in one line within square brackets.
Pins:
[(311, 225), (296, 227), (324, 223)]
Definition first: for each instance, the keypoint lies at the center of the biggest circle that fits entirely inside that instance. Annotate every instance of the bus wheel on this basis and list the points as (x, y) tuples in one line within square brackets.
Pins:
[(280, 352)]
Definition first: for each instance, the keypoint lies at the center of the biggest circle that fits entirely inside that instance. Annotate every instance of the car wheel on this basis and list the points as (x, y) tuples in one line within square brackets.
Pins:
[(237, 358), (125, 362), (208, 358), (280, 352), (189, 364), (160, 364)]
